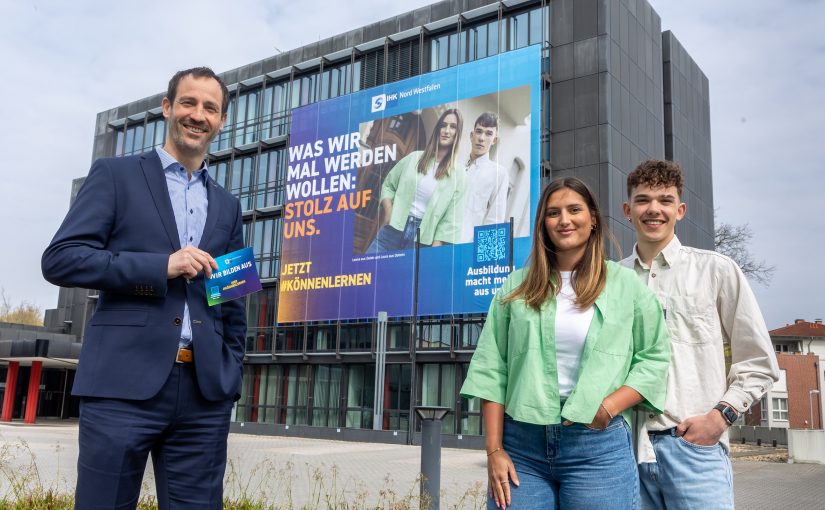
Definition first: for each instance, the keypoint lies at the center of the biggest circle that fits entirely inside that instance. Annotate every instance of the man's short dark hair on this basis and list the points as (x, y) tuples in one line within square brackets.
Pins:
[(487, 119), (197, 72), (656, 173)]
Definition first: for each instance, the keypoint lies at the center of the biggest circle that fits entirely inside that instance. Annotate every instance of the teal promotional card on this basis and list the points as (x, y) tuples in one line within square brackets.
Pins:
[(235, 277)]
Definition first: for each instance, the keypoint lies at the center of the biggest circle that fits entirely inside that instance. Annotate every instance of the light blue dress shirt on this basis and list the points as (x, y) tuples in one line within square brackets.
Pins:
[(189, 203)]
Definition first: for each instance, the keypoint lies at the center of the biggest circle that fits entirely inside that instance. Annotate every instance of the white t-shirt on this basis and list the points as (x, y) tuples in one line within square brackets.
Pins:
[(571, 332), (485, 196), (424, 191)]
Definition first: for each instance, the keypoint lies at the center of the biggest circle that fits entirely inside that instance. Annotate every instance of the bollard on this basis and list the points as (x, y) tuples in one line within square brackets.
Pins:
[(759, 442), (431, 417), (774, 443), (743, 440)]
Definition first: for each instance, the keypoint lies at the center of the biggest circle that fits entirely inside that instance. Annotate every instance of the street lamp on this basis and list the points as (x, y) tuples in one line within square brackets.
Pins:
[(431, 417), (811, 394)]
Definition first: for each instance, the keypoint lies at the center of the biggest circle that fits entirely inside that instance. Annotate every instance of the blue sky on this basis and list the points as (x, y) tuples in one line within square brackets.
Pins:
[(66, 61)]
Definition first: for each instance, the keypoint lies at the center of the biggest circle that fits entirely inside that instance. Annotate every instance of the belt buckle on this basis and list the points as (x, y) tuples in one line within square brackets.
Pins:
[(185, 355)]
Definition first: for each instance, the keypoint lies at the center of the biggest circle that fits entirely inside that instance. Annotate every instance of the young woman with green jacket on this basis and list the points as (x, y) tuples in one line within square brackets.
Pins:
[(570, 344)]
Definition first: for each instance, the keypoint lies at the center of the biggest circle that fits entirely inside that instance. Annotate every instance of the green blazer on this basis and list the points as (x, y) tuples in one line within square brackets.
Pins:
[(627, 344), (442, 217)]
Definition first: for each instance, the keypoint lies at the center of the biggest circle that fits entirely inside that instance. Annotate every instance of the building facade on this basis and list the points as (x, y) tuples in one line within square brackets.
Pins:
[(796, 400), (615, 91)]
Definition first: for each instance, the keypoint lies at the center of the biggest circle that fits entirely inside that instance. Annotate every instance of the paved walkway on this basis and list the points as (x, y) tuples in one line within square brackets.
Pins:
[(289, 471)]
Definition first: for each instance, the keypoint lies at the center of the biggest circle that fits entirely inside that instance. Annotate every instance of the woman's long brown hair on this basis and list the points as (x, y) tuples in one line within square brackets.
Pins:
[(589, 273), (431, 149)]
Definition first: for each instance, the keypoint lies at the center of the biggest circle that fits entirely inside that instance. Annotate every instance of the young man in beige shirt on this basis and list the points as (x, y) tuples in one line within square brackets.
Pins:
[(708, 305)]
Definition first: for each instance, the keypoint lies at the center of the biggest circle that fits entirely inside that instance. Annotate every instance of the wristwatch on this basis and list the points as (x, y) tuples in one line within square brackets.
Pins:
[(728, 413)]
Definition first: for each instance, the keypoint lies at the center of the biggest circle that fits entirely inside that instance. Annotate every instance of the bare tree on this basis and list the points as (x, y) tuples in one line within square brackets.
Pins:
[(733, 241), (23, 313)]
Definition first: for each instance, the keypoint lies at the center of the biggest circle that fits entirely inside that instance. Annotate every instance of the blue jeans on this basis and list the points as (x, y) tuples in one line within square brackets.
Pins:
[(686, 476), (571, 467), (390, 239)]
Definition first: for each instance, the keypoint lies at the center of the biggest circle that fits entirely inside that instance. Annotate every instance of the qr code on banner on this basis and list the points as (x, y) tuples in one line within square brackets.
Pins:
[(491, 244)]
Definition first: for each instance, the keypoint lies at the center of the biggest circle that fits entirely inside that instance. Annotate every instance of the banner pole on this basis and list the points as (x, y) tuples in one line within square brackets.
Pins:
[(414, 346)]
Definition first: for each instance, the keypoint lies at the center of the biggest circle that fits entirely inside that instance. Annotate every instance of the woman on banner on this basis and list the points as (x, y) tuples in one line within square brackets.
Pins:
[(571, 342), (423, 191)]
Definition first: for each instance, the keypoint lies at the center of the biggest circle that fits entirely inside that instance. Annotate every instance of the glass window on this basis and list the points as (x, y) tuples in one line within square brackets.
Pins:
[(763, 407), (266, 246), (296, 382), (326, 395), (404, 60), (321, 338), (360, 395), (356, 336), (269, 189), (261, 313), (149, 138), (220, 172), (470, 331), (780, 409), (438, 388), (289, 338), (398, 336), (304, 90), (275, 110), (397, 385), (434, 334), (260, 394), (130, 141), (119, 143), (224, 139), (160, 132), (469, 414), (246, 121), (371, 67), (336, 80), (243, 171)]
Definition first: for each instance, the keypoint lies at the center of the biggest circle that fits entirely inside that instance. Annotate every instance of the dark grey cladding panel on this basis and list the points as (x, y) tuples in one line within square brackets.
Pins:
[(624, 28), (586, 112), (563, 61), (421, 16), (586, 56), (561, 150), (563, 101), (604, 53), (389, 27), (443, 10), (604, 8), (373, 32), (561, 30), (667, 52), (586, 146), (326, 46), (604, 98), (585, 19)]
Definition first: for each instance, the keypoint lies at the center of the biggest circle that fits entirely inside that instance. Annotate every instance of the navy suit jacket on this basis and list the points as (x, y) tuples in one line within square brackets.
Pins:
[(117, 238)]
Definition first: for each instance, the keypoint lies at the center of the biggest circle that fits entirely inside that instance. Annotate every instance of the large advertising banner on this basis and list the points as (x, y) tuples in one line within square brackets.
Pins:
[(448, 160)]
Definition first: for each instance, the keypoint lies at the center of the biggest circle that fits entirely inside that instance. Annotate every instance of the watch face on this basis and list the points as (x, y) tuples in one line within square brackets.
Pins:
[(728, 413)]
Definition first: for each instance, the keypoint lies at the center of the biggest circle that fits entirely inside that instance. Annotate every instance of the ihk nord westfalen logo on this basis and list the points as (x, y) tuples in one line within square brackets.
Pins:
[(379, 102)]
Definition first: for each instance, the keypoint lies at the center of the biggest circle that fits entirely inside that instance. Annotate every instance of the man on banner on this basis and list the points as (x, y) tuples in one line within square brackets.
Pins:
[(485, 194), (709, 308), (159, 369)]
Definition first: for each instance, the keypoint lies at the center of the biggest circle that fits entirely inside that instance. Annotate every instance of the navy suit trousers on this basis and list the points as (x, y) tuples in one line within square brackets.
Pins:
[(185, 434)]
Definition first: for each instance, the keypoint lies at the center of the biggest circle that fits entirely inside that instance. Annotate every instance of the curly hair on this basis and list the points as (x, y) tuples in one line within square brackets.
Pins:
[(656, 173)]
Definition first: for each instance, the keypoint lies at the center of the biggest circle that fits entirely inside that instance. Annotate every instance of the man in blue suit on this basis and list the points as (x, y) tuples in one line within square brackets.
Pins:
[(159, 368)]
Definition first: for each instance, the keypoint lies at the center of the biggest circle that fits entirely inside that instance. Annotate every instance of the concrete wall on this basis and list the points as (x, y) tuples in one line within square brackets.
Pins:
[(806, 446), (607, 99), (687, 139), (755, 434)]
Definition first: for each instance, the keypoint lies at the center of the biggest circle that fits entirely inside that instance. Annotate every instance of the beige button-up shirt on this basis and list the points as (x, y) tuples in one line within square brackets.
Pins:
[(712, 314)]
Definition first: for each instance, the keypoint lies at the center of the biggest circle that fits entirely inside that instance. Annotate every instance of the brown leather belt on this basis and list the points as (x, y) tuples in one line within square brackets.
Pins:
[(185, 355)]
